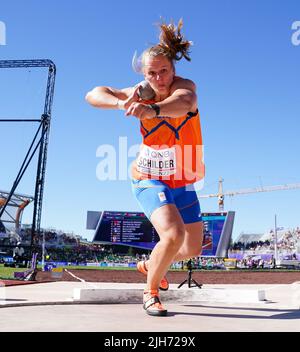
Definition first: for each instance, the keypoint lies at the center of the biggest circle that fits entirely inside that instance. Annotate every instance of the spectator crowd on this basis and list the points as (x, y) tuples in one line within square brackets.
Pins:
[(63, 247)]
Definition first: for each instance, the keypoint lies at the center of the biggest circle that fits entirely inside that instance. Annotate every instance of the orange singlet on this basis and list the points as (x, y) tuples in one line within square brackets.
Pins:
[(171, 150)]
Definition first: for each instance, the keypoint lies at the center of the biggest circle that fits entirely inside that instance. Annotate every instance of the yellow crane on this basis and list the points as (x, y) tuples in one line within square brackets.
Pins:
[(221, 195)]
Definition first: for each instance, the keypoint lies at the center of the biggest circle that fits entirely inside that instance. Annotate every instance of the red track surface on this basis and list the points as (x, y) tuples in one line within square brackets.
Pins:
[(204, 277)]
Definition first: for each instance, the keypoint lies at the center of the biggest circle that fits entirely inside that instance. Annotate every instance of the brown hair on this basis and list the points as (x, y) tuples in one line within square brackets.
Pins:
[(171, 43)]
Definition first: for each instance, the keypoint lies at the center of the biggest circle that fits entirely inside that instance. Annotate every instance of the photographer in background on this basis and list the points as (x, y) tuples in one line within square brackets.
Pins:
[(19, 254)]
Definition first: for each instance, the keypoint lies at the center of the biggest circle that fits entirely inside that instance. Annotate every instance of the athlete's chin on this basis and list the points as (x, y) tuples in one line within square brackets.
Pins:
[(162, 89)]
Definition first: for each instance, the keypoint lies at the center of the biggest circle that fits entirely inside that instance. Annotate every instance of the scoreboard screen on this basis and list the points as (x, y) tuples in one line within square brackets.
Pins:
[(126, 228), (135, 230), (213, 224)]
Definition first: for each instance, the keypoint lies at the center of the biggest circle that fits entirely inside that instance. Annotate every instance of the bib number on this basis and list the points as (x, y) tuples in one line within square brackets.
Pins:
[(157, 162)]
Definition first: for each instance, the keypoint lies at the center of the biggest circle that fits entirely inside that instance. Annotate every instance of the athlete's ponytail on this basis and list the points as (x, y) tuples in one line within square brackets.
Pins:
[(171, 44)]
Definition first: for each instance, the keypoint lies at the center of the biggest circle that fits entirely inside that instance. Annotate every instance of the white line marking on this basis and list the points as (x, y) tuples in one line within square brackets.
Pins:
[(76, 277)]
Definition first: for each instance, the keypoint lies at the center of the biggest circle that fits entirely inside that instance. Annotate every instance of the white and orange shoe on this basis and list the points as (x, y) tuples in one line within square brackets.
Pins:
[(152, 304), (141, 267)]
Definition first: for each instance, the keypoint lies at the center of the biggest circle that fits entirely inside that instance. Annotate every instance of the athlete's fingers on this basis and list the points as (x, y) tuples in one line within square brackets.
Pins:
[(134, 97), (128, 112), (131, 109), (134, 109), (142, 114), (139, 110), (147, 113)]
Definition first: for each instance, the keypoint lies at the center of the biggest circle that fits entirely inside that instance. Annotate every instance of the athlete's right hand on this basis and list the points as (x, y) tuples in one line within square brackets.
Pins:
[(133, 98)]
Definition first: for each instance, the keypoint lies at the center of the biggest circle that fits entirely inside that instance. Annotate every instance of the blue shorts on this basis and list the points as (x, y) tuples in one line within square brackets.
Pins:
[(152, 194)]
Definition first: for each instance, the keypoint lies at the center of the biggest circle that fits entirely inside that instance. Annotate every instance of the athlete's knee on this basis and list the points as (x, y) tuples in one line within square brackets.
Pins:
[(190, 251), (194, 251), (174, 237), (170, 228)]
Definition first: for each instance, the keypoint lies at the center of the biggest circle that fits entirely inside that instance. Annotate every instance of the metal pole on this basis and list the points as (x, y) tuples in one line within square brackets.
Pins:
[(43, 252), (275, 241)]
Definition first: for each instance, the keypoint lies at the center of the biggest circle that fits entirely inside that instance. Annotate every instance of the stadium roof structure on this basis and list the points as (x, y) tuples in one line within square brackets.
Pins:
[(249, 237), (14, 207)]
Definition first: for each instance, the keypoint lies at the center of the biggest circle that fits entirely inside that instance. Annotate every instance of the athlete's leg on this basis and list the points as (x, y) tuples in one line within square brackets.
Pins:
[(189, 207), (192, 244), (190, 212), (170, 227)]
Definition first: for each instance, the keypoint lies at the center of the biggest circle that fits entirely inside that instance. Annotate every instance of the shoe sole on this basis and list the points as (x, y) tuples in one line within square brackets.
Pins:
[(157, 313), (163, 289)]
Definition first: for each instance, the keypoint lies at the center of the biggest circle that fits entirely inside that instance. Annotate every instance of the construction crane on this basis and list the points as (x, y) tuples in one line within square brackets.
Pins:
[(221, 195)]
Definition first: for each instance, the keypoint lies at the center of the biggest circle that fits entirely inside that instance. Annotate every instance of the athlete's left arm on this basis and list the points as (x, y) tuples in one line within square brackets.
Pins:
[(183, 99)]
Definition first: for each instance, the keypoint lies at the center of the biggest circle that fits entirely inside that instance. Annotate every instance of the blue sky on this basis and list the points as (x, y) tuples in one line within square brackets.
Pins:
[(246, 70)]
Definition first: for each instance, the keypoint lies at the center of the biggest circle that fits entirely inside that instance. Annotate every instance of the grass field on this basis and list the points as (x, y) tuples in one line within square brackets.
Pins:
[(8, 273), (97, 267)]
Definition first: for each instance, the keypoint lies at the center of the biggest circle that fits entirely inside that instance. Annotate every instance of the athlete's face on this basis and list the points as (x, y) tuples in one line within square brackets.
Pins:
[(159, 72)]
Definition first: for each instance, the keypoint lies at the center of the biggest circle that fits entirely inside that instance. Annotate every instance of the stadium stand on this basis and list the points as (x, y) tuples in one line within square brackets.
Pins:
[(251, 252)]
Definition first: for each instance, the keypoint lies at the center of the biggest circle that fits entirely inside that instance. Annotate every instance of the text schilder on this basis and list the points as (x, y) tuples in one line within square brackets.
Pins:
[(157, 162)]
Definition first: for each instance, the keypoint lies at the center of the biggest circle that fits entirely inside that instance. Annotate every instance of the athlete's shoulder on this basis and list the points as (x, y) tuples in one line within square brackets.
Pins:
[(183, 83)]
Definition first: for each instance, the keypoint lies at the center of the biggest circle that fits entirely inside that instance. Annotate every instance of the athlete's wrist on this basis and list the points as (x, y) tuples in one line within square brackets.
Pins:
[(155, 108), (120, 104)]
